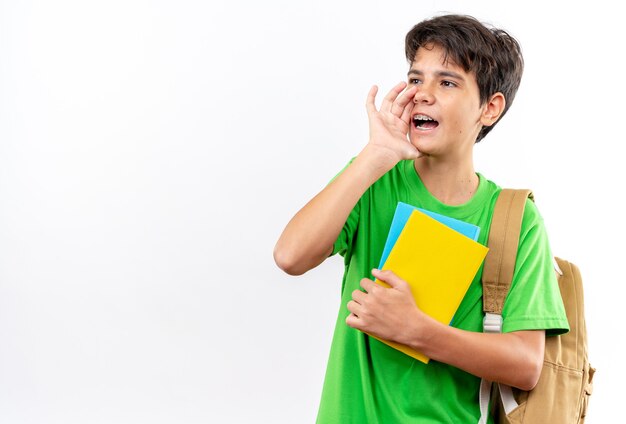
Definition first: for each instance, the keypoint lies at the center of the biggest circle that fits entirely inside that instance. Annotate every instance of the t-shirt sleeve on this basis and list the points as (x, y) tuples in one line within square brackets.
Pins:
[(534, 300), (344, 240)]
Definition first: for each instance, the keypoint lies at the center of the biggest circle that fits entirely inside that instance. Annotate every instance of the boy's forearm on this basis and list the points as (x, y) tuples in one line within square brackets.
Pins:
[(390, 313), (309, 237), (514, 359)]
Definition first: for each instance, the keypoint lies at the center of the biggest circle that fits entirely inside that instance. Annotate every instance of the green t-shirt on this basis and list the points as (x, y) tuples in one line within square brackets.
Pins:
[(369, 382)]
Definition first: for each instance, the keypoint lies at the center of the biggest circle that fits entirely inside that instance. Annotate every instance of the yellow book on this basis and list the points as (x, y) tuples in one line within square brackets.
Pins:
[(438, 263)]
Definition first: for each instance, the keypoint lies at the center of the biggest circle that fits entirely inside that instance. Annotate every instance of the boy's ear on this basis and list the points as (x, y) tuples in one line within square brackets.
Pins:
[(493, 109)]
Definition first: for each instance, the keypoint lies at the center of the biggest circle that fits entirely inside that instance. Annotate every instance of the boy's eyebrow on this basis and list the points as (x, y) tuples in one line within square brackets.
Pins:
[(448, 74)]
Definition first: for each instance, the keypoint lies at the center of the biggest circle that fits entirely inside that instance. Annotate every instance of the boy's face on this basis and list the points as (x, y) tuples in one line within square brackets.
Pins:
[(447, 114)]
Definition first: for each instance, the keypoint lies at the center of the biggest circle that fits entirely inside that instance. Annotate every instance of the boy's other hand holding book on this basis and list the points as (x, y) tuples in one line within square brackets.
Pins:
[(388, 313)]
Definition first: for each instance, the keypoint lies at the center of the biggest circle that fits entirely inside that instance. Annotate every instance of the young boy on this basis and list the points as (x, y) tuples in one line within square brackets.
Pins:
[(462, 79)]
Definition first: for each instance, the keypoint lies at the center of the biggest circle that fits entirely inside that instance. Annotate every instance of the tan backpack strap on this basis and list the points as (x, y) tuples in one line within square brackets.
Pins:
[(498, 270), (504, 236)]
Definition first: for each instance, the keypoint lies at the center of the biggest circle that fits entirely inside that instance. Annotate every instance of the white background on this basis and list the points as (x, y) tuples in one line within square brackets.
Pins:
[(151, 152)]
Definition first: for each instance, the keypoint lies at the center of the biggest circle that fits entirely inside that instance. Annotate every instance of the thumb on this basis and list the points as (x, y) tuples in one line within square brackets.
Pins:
[(411, 152), (389, 277)]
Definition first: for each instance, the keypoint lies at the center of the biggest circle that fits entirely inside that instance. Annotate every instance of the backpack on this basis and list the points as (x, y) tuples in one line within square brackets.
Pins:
[(562, 393)]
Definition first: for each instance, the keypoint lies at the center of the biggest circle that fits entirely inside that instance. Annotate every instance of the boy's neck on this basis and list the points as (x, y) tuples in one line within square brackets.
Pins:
[(450, 183)]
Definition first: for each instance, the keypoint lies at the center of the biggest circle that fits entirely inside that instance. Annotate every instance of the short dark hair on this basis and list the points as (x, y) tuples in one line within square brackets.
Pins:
[(491, 54)]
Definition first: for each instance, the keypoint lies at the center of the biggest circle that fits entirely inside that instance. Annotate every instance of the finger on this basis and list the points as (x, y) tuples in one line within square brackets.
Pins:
[(392, 96), (354, 307), (407, 107), (405, 99), (370, 103), (406, 113), (390, 278), (352, 321), (358, 296), (368, 285)]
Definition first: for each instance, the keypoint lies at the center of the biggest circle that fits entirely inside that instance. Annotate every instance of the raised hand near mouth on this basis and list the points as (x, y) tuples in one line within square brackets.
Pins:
[(309, 237), (389, 126)]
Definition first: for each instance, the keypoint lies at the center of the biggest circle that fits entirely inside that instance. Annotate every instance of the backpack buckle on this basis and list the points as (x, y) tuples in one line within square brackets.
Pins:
[(492, 323)]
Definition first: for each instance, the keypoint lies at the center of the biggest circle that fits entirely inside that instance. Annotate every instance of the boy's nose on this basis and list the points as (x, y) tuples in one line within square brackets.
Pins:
[(423, 95)]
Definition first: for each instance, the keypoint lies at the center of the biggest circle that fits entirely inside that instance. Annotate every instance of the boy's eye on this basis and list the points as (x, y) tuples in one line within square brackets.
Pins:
[(448, 84), (414, 81)]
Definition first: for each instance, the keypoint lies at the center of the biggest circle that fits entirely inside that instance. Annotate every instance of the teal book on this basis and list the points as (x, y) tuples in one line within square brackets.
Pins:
[(401, 216)]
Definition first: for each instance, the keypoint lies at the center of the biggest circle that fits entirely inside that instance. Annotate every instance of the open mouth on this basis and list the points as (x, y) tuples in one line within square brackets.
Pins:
[(424, 122)]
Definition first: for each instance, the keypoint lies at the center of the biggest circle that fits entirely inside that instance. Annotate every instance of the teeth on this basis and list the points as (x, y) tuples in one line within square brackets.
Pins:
[(423, 118)]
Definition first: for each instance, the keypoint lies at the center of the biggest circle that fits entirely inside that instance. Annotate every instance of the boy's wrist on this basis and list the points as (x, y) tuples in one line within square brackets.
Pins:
[(422, 333), (375, 161)]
